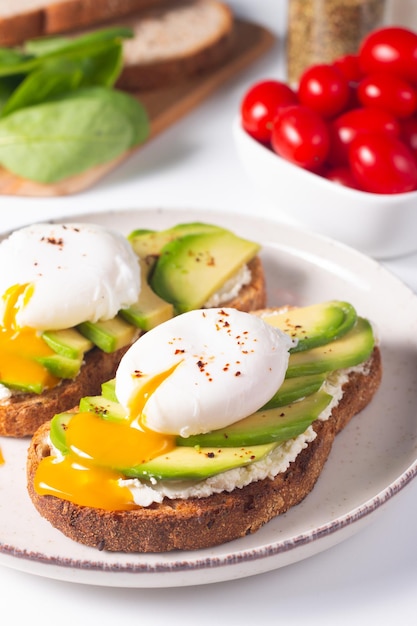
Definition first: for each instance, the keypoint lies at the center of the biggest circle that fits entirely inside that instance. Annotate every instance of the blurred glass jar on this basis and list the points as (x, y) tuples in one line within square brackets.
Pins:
[(320, 31)]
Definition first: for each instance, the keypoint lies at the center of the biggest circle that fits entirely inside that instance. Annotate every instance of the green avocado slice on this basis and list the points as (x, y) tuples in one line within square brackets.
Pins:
[(149, 243), (272, 425), (314, 325), (194, 463), (192, 268), (353, 348)]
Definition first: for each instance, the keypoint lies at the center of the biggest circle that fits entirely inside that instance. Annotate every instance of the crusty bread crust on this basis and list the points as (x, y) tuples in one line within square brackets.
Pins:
[(23, 413), (17, 25), (253, 295), (202, 523), (176, 42)]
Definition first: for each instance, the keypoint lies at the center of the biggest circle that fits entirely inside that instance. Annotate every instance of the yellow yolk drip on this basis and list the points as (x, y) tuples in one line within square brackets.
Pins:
[(1, 458), (100, 453), (19, 347)]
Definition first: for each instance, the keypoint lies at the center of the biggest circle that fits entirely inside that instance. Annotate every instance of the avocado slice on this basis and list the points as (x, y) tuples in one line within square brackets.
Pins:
[(150, 310), (149, 243), (57, 430), (272, 425), (109, 335), (181, 463), (196, 463), (314, 325), (192, 268), (23, 386), (108, 390), (107, 409), (293, 389), (68, 342), (353, 348), (61, 366)]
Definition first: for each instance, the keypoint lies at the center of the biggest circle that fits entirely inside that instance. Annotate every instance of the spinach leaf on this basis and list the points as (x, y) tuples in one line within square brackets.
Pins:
[(7, 87), (47, 46), (12, 57), (52, 141), (79, 47), (44, 84), (133, 110), (58, 76)]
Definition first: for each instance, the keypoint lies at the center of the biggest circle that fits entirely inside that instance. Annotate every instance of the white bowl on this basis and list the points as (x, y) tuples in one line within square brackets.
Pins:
[(382, 226)]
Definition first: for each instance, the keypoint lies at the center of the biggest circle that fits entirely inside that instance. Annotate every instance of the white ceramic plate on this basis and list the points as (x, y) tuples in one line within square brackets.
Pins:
[(372, 459)]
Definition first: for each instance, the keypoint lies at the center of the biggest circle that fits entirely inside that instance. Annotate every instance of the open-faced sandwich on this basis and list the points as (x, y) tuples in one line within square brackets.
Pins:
[(216, 421), (73, 297)]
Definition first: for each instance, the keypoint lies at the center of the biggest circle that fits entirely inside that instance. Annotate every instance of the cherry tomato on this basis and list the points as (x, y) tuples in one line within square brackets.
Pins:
[(342, 175), (388, 92), (324, 89), (349, 66), (382, 164), (355, 122), (260, 106), (392, 49), (409, 133), (301, 136)]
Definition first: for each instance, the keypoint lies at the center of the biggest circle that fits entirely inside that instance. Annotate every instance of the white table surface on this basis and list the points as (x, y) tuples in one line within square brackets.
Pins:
[(370, 578)]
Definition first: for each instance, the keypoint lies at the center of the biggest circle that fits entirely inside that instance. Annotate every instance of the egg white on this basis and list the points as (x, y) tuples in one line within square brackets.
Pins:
[(80, 272), (228, 364)]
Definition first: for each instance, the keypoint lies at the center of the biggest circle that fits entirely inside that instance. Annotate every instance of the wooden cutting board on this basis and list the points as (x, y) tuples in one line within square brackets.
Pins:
[(164, 107)]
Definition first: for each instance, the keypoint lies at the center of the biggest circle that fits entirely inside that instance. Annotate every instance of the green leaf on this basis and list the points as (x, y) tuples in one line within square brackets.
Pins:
[(134, 110), (12, 57), (44, 84), (77, 48), (47, 46), (52, 141), (59, 76)]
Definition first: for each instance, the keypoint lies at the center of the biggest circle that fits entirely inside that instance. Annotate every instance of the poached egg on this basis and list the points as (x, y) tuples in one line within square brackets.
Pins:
[(202, 371), (56, 276), (197, 372)]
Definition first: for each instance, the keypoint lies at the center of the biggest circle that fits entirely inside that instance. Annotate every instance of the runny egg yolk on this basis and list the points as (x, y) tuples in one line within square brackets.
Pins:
[(21, 346), (101, 452)]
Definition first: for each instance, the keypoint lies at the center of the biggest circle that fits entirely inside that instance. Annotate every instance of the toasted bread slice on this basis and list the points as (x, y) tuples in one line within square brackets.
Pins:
[(198, 523)]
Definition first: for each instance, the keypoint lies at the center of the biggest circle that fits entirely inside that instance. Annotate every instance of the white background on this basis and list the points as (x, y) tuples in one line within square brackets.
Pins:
[(368, 579)]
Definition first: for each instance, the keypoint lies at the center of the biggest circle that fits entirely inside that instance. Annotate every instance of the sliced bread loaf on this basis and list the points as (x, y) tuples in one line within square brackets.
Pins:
[(174, 42), (27, 19)]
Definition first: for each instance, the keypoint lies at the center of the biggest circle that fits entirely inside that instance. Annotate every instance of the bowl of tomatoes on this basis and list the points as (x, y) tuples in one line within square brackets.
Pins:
[(338, 152)]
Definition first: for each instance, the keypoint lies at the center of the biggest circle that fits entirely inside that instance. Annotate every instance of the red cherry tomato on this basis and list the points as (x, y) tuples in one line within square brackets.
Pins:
[(409, 133), (382, 164), (324, 89), (388, 92), (392, 49), (342, 175), (260, 106), (301, 136), (355, 122), (349, 66)]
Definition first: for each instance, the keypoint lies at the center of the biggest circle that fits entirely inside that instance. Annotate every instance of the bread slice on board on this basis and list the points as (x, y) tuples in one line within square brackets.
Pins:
[(198, 523), (174, 42), (27, 19)]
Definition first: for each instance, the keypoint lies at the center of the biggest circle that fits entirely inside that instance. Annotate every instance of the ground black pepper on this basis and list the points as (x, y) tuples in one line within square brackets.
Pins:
[(319, 31)]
